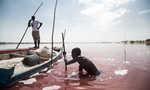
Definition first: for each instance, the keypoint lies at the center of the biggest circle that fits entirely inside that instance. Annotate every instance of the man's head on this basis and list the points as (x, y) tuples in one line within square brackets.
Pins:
[(76, 52), (33, 18)]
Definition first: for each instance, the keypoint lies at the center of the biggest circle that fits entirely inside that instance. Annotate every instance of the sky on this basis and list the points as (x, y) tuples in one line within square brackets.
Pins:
[(83, 20)]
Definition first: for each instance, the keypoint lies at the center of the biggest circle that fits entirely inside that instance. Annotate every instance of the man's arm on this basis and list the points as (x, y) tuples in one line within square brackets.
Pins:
[(80, 68), (29, 23), (40, 25), (70, 62)]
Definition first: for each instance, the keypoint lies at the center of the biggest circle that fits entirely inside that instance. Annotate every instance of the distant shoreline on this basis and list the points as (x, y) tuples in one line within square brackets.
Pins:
[(125, 42), (25, 42), (50, 42)]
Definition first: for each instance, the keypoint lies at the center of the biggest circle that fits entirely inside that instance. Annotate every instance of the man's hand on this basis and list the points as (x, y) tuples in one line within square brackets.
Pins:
[(40, 25), (80, 74), (64, 53), (29, 23)]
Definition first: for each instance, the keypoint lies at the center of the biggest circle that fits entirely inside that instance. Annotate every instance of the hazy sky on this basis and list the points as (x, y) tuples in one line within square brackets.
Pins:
[(84, 20)]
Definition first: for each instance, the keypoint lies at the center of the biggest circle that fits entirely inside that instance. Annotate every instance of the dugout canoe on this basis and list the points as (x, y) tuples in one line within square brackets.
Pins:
[(8, 76)]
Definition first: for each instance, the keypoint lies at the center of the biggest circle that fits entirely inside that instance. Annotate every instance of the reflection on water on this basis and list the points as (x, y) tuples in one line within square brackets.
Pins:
[(117, 71)]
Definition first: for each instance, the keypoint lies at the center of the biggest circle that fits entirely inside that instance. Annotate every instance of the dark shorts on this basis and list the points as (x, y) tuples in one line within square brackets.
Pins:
[(35, 35), (95, 74)]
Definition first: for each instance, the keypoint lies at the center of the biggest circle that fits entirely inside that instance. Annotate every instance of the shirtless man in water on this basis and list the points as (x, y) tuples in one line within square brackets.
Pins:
[(84, 63)]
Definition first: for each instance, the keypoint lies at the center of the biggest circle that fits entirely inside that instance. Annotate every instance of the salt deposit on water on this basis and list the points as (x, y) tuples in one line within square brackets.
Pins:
[(121, 72), (49, 71), (44, 69), (36, 74), (54, 87), (29, 81)]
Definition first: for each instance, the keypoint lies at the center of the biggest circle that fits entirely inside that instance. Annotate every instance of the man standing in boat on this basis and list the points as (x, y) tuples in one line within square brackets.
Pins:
[(35, 30), (84, 63)]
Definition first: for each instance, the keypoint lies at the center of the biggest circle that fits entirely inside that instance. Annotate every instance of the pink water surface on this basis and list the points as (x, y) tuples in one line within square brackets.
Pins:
[(117, 71)]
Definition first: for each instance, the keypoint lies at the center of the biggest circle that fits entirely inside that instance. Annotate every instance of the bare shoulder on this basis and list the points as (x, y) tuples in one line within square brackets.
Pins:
[(83, 58)]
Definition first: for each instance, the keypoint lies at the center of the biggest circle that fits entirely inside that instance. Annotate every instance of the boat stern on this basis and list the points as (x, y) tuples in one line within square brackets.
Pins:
[(5, 75)]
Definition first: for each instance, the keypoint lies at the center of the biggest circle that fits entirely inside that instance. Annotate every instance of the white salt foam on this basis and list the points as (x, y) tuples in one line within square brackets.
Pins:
[(44, 69), (36, 74), (29, 81), (54, 87), (49, 71), (121, 72)]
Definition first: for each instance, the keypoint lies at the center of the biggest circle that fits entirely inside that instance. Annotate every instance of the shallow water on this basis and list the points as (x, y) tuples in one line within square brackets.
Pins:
[(117, 71)]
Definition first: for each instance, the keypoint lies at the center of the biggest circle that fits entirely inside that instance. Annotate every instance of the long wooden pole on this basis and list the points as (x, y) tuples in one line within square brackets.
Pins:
[(125, 47), (27, 26), (38, 8), (53, 31), (63, 40)]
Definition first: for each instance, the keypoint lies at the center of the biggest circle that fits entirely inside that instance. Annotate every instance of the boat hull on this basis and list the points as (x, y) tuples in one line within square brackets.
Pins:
[(10, 79)]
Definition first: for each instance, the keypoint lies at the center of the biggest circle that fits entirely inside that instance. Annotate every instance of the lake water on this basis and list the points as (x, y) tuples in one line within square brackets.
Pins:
[(120, 70)]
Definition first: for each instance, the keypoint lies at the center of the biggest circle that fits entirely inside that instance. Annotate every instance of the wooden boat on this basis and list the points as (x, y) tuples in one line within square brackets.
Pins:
[(8, 76)]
